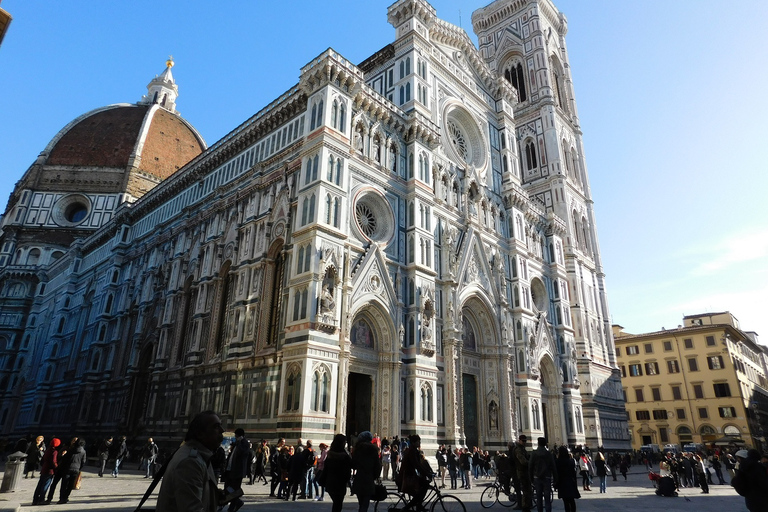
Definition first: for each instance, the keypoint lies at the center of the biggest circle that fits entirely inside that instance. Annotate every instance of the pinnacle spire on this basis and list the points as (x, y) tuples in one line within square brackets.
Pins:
[(163, 89)]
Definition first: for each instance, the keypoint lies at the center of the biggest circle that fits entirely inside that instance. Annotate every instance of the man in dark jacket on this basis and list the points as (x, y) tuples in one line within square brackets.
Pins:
[(122, 452), (237, 468), (521, 466), (541, 469), (73, 463), (103, 453), (150, 457)]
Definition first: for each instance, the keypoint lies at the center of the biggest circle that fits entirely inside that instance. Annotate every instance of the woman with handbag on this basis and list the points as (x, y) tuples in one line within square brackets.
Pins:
[(567, 487), (366, 462), (337, 469)]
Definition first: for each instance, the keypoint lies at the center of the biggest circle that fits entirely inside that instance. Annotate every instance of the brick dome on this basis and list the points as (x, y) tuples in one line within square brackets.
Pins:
[(145, 137)]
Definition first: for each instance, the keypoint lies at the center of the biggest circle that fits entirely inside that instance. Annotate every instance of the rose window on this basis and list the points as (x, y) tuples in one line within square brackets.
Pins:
[(372, 217), (366, 219), (458, 140)]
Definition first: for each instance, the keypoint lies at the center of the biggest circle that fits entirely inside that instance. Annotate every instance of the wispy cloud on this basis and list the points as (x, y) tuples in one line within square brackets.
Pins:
[(732, 250)]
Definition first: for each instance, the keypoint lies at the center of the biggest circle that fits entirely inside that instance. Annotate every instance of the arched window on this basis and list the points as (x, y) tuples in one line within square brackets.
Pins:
[(60, 329), (308, 171), (312, 208), (402, 94), (515, 76), (338, 171), (95, 361), (407, 92), (336, 208), (335, 114), (320, 388), (304, 211), (319, 119), (407, 65), (108, 306), (102, 333), (226, 295), (328, 208), (530, 155), (342, 118), (331, 168), (315, 165), (33, 258), (312, 117), (402, 69), (293, 391)]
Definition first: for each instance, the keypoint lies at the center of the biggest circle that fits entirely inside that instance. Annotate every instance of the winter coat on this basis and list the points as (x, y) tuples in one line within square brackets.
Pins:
[(337, 470), (365, 460), (542, 464), (567, 486), (189, 482), (76, 460)]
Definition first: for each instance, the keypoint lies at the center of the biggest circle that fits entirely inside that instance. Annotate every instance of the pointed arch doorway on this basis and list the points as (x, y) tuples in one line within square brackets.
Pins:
[(551, 403), (359, 403)]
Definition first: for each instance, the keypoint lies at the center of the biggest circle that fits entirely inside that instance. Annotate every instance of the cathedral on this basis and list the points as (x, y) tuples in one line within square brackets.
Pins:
[(406, 246)]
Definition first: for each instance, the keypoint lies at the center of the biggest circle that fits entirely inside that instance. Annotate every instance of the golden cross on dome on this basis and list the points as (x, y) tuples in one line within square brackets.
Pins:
[(169, 62)]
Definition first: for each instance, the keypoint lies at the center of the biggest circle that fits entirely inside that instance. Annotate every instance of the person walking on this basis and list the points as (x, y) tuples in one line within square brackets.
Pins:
[(442, 464), (336, 471), (386, 461), (60, 469), (541, 471), (103, 454), (122, 452), (717, 466), (47, 470), (624, 467), (34, 456), (189, 482), (521, 466), (319, 479), (367, 465), (73, 464), (237, 468), (601, 469), (149, 454), (567, 488), (701, 473), (613, 463), (585, 469), (453, 467)]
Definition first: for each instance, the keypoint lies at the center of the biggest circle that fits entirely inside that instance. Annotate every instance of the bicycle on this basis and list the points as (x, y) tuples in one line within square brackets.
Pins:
[(497, 493), (434, 501)]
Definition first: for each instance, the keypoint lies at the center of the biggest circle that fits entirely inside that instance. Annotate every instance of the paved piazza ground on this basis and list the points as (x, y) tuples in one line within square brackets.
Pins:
[(124, 493)]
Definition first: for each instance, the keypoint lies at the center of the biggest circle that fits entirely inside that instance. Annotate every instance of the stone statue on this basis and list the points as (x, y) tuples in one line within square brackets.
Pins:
[(493, 416), (391, 160), (327, 303)]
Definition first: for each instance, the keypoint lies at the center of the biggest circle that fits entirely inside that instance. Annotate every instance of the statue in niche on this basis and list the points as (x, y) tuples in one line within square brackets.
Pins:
[(327, 302), (493, 415), (401, 334), (359, 139), (392, 157), (376, 150)]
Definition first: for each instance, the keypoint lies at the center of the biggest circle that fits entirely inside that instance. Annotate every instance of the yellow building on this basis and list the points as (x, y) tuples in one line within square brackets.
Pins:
[(703, 382)]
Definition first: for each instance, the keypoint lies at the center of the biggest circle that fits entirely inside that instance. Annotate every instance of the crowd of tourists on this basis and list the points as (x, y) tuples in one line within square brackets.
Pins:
[(360, 462)]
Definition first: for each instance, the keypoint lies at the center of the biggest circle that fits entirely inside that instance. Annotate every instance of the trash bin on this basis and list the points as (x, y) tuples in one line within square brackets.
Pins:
[(14, 468)]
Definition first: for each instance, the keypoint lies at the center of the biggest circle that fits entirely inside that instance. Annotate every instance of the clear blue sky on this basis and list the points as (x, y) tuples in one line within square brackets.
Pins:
[(671, 95)]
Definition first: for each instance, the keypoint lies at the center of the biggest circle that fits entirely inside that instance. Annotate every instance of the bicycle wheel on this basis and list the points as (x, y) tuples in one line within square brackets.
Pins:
[(489, 496), (448, 503), (394, 501), (507, 500)]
